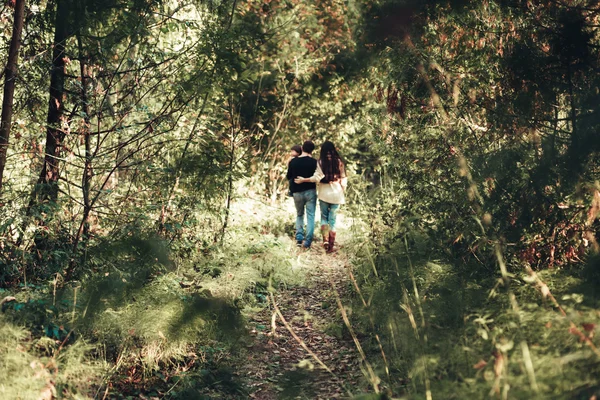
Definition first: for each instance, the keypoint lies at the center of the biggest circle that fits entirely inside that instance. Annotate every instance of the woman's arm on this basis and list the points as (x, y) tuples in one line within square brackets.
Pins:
[(344, 183), (318, 175), (344, 178)]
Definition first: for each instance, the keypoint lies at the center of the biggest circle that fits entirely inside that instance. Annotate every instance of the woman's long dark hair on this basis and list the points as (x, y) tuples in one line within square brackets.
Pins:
[(331, 163)]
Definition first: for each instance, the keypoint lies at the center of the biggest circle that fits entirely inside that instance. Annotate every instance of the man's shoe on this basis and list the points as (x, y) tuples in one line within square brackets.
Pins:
[(299, 243)]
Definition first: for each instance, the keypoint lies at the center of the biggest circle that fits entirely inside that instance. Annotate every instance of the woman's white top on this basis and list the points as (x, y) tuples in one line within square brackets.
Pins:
[(333, 192)]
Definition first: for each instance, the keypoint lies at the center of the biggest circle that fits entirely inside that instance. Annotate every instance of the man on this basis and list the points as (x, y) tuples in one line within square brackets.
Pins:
[(305, 194)]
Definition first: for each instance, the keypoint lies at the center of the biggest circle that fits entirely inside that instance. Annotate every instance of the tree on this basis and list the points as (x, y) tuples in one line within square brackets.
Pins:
[(56, 124), (10, 75)]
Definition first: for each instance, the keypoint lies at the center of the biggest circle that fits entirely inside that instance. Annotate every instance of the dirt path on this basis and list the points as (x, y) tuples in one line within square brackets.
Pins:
[(278, 366)]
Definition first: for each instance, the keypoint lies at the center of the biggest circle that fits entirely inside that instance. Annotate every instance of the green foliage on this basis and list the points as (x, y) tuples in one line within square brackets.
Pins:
[(465, 339), (474, 124), (18, 377), (257, 259), (157, 326), (34, 366), (469, 131)]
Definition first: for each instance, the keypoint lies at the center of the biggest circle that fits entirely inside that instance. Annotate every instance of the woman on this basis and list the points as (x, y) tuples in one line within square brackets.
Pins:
[(331, 175)]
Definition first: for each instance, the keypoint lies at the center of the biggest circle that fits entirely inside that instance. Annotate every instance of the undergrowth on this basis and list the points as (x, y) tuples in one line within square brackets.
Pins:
[(449, 333), (40, 367), (147, 320)]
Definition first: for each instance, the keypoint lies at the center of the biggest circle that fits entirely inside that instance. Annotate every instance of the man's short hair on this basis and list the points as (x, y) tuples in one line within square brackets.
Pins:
[(308, 147)]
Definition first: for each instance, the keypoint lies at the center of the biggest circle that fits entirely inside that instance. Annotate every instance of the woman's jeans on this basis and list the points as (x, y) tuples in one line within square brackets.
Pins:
[(305, 200), (328, 214)]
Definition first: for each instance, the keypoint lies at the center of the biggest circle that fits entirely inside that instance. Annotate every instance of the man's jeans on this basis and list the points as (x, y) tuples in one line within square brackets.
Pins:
[(308, 200)]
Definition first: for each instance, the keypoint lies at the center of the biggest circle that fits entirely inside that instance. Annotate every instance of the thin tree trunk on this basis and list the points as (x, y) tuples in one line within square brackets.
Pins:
[(229, 185), (574, 130), (9, 84), (166, 207), (232, 162), (47, 188), (577, 154), (84, 227)]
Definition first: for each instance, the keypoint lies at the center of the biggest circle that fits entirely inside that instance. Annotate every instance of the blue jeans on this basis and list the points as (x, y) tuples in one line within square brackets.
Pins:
[(328, 214), (305, 200)]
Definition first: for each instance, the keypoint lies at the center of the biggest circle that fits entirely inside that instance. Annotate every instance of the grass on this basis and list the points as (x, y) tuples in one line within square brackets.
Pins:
[(146, 322), (22, 374), (471, 341), (175, 326), (31, 368)]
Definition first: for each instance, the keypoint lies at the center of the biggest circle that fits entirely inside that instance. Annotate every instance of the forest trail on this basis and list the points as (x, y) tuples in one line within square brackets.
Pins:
[(277, 365)]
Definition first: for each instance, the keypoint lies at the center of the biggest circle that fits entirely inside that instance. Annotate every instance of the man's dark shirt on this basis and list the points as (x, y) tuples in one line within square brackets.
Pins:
[(304, 167)]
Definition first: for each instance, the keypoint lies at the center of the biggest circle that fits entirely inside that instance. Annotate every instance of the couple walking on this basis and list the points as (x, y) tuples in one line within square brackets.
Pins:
[(305, 173)]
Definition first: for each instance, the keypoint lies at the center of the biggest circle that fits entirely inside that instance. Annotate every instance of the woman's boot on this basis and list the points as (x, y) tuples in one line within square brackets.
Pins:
[(331, 241), (325, 233)]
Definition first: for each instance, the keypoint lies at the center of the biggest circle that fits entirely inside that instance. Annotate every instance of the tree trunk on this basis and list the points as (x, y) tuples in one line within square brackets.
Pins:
[(232, 161), (9, 84), (83, 232), (574, 128), (577, 152), (47, 188)]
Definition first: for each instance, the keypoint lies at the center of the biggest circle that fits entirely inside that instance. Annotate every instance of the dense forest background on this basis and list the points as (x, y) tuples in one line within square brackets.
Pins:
[(143, 150)]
